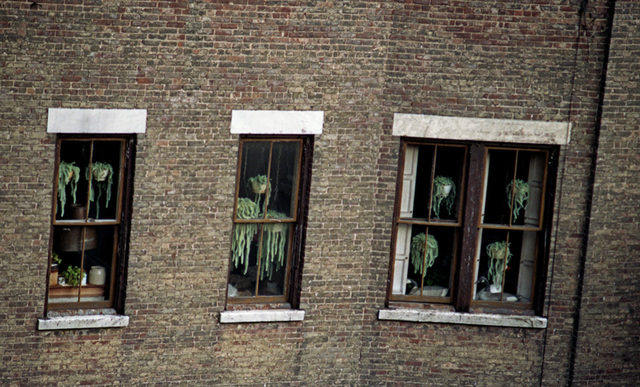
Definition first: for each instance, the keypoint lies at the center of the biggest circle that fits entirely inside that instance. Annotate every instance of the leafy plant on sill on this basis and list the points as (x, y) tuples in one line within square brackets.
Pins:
[(102, 174), (72, 276), (418, 254), (444, 192), (520, 196), (68, 174), (500, 255)]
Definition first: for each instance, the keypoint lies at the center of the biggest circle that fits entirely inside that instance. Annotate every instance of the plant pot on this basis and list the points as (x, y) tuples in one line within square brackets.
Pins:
[(446, 190), (100, 175), (258, 188), (53, 276)]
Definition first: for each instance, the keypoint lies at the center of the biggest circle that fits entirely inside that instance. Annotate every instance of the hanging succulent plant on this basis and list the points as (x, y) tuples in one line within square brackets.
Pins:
[(418, 252), (243, 233), (520, 196), (258, 184), (274, 242), (499, 255), (68, 173), (444, 192), (102, 174)]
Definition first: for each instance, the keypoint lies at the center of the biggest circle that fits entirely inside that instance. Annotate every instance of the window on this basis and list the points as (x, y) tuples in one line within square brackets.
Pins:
[(90, 222), (471, 225), (268, 223)]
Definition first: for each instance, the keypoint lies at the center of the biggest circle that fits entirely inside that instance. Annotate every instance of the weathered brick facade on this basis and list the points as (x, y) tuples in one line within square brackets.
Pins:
[(190, 63)]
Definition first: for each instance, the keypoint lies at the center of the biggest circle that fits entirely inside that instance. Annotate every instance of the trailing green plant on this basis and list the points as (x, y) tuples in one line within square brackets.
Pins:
[(444, 192), (55, 258), (243, 233), (68, 174), (274, 242), (72, 276), (418, 254), (500, 255), (102, 174), (520, 196)]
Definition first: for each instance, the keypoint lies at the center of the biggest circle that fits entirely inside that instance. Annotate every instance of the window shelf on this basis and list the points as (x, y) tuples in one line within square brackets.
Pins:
[(447, 317)]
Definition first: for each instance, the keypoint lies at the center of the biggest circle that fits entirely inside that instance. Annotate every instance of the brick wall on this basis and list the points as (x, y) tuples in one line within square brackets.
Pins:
[(190, 63)]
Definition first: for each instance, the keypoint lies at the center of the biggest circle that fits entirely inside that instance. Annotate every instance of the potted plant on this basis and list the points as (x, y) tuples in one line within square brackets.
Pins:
[(444, 192), (68, 174), (259, 184), (520, 196), (499, 255), (273, 245), (418, 245), (102, 174), (243, 233), (74, 276)]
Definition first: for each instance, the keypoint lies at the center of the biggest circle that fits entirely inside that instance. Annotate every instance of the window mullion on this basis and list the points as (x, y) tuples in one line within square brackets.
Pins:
[(470, 230)]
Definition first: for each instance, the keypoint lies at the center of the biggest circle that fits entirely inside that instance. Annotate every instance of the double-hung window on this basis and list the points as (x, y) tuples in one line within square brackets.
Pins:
[(90, 221), (472, 220)]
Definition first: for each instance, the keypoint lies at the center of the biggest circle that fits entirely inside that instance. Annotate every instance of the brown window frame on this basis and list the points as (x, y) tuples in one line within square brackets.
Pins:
[(298, 221), (463, 269), (121, 225)]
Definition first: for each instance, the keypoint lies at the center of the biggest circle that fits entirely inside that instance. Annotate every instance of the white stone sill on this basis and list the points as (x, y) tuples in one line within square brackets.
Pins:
[(83, 322), (252, 316), (446, 317)]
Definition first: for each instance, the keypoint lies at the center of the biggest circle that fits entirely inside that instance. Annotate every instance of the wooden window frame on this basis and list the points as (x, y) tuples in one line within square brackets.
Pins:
[(296, 239), (121, 224), (463, 281)]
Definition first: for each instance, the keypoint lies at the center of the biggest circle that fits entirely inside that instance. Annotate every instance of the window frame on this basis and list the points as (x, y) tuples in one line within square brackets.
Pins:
[(121, 223), (463, 265), (296, 238)]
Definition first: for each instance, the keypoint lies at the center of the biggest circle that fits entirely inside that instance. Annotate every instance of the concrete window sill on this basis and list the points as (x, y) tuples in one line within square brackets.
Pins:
[(446, 317), (83, 322), (252, 316)]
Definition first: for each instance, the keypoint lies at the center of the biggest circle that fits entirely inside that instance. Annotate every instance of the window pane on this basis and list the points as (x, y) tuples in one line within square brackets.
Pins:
[(253, 184), (501, 165), (505, 266), (72, 187), (284, 179), (105, 179), (244, 263), (274, 253), (447, 183), (82, 269)]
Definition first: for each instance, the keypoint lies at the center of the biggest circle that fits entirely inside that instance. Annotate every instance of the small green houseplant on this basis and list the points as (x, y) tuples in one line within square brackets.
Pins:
[(499, 255), (418, 245), (444, 192), (68, 174), (520, 196), (73, 276), (102, 174)]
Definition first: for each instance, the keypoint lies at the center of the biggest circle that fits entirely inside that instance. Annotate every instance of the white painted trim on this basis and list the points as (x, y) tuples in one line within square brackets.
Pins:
[(248, 316), (83, 322), (481, 129), (276, 122), (446, 317), (97, 121)]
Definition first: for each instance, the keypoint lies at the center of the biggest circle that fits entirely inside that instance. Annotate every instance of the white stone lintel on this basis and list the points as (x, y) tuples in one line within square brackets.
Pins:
[(83, 322), (481, 129), (447, 317), (276, 122), (250, 316), (97, 121)]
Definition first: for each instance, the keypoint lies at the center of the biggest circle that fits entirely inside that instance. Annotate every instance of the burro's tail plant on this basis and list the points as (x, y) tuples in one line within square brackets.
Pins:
[(499, 255), (418, 245), (102, 174), (274, 243), (444, 192), (243, 233), (68, 173), (520, 196)]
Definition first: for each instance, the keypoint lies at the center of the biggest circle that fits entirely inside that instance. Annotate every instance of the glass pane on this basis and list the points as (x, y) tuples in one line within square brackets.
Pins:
[(501, 165), (430, 258), (74, 274), (506, 265), (446, 183), (105, 179), (72, 187), (244, 266), (274, 253), (253, 185), (284, 180)]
